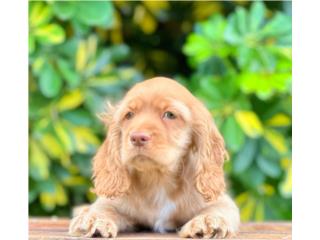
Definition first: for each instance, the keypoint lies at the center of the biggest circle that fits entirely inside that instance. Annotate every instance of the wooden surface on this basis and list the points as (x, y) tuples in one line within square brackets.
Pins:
[(53, 228)]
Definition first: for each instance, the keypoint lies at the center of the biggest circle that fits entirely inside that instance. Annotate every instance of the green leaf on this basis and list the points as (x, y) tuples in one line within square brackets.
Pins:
[(256, 15), (64, 9), (94, 102), (242, 21), (80, 28), (50, 82), (268, 166), (79, 117), (119, 52), (266, 58), (215, 33), (245, 157), (199, 47), (279, 25), (32, 44), (97, 13), (265, 84), (50, 34), (68, 73), (244, 56), (231, 34), (32, 195), (252, 178), (233, 134)]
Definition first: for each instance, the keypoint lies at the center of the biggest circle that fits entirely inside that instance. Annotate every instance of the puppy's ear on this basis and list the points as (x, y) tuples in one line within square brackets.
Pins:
[(210, 156), (110, 177)]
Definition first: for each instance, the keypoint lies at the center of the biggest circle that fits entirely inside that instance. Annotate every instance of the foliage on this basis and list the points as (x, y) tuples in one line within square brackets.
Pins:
[(69, 79), (243, 73), (237, 59)]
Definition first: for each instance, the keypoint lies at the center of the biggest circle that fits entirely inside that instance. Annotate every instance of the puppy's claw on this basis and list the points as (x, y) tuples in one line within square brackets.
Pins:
[(89, 225), (205, 226)]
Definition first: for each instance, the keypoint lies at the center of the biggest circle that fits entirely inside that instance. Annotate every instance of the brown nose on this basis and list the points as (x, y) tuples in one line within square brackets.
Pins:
[(139, 139)]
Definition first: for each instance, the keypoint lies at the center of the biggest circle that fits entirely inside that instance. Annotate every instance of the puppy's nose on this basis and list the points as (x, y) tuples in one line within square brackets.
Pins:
[(139, 139)]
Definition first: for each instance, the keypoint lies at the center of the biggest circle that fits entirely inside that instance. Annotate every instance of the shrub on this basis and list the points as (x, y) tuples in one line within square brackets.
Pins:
[(242, 71), (237, 60)]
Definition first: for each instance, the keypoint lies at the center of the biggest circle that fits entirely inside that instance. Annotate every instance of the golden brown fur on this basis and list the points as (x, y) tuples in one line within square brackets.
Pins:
[(175, 180)]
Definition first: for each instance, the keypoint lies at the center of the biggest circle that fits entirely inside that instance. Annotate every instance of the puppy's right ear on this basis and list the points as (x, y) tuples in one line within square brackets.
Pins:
[(110, 177)]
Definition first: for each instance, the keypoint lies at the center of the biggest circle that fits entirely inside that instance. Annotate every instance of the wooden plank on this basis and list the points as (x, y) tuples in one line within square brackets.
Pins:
[(57, 228)]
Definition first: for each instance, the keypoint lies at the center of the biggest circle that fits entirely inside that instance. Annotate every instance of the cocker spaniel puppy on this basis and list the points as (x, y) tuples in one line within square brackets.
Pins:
[(161, 167)]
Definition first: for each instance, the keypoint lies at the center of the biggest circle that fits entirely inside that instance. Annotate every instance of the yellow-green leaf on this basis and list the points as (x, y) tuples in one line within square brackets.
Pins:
[(267, 190), (63, 136), (71, 100), (259, 214), (85, 138), (285, 163), (52, 146), (81, 56), (144, 19), (91, 196), (92, 46), (39, 162), (40, 13), (60, 195), (276, 140), (50, 34), (57, 197), (249, 123), (279, 120), (286, 184), (242, 198), (156, 6), (37, 64), (248, 209), (47, 199), (74, 181)]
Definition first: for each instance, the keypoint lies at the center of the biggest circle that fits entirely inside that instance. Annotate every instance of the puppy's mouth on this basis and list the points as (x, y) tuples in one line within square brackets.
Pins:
[(142, 162), (140, 152)]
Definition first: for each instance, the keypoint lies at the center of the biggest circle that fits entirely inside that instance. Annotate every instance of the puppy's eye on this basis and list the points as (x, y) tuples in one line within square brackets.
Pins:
[(129, 115), (169, 115)]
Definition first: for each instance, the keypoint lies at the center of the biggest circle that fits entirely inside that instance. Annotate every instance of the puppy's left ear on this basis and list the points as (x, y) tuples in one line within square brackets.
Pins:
[(211, 153)]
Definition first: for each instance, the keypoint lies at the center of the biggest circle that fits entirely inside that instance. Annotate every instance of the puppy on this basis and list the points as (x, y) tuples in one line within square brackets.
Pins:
[(160, 166)]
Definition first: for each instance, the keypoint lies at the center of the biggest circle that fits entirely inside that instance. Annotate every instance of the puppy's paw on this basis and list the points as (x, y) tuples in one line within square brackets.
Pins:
[(206, 226), (89, 225)]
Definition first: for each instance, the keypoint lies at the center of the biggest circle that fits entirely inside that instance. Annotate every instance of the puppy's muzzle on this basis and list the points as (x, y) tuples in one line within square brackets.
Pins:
[(139, 139)]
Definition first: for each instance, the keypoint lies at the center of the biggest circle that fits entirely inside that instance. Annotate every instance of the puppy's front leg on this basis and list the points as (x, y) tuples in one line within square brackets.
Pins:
[(219, 220), (101, 218)]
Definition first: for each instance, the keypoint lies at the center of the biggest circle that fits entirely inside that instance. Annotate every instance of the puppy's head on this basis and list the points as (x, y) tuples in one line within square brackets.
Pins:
[(157, 125)]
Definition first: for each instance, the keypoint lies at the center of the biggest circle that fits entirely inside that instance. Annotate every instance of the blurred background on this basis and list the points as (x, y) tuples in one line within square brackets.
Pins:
[(234, 55)]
